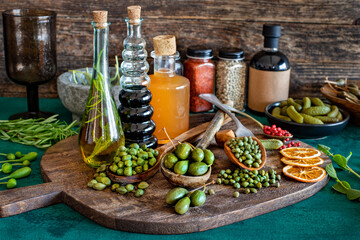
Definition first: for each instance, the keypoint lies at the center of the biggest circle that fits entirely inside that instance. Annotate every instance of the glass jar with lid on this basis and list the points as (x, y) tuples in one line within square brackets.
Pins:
[(231, 76), (200, 70)]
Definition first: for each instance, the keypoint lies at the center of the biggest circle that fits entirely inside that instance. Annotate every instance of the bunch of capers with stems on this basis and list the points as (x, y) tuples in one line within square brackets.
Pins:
[(250, 181), (17, 159), (182, 199), (101, 182)]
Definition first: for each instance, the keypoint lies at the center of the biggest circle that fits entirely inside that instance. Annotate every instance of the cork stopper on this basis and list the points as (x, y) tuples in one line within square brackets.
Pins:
[(100, 18), (134, 14), (164, 45)]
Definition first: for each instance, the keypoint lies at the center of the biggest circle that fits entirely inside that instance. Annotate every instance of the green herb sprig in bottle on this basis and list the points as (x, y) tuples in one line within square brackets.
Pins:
[(101, 132)]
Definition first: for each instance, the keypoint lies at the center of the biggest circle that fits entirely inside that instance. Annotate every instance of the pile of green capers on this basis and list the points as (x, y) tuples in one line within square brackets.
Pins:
[(250, 181), (184, 160), (246, 150), (101, 181), (182, 199), (133, 160)]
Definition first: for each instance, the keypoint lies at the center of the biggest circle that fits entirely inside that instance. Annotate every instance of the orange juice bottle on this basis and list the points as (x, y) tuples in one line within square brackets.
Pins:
[(170, 92)]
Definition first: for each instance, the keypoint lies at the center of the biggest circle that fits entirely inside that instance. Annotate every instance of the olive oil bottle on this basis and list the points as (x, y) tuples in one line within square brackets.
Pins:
[(101, 132), (269, 72)]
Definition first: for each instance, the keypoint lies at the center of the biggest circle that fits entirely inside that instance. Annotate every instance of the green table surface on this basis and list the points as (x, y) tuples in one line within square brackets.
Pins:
[(325, 215)]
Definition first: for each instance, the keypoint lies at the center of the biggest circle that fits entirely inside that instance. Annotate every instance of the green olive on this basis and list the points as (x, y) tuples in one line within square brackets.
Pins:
[(209, 157), (197, 198), (182, 206), (183, 150), (197, 155), (181, 167), (197, 168), (175, 194)]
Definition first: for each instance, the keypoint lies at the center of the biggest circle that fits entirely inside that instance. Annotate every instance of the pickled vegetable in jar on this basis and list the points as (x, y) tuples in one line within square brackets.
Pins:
[(200, 70), (231, 76)]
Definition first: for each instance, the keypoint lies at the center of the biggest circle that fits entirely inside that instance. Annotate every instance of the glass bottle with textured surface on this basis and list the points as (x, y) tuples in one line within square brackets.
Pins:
[(170, 92), (269, 72), (100, 132), (135, 96)]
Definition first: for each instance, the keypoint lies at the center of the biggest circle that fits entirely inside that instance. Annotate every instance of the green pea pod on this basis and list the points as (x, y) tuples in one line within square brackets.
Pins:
[(294, 115), (306, 102), (297, 106), (182, 206), (283, 111), (334, 112), (276, 110), (311, 120), (285, 118), (317, 111), (175, 194), (327, 119), (272, 144), (317, 102)]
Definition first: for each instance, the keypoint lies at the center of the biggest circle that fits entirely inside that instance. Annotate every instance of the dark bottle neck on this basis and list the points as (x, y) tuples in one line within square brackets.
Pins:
[(271, 43), (100, 59)]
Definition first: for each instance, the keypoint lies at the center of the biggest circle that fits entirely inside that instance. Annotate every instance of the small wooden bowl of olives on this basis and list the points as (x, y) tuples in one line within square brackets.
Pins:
[(246, 152), (186, 167), (133, 164)]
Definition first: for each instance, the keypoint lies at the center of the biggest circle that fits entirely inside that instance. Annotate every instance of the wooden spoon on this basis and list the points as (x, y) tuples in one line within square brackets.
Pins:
[(234, 160)]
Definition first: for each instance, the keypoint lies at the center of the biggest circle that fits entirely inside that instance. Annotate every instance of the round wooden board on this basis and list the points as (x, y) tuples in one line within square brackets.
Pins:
[(67, 177)]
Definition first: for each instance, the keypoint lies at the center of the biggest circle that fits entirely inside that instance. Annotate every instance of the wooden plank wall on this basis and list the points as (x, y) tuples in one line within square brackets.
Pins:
[(320, 37)]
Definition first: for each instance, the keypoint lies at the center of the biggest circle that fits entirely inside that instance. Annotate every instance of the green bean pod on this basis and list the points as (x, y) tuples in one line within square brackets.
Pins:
[(276, 110), (294, 115), (306, 102), (311, 120), (327, 119), (285, 118), (334, 112), (316, 111), (297, 106), (317, 102)]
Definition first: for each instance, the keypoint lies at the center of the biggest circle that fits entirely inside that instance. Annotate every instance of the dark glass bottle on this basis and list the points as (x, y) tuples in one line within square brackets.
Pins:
[(135, 97), (269, 72)]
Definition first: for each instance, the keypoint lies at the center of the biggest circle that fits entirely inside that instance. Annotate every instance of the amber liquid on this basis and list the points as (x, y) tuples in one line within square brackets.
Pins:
[(170, 100)]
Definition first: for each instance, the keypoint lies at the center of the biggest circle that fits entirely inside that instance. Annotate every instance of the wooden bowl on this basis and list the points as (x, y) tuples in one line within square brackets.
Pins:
[(234, 160), (135, 178), (353, 108), (182, 180)]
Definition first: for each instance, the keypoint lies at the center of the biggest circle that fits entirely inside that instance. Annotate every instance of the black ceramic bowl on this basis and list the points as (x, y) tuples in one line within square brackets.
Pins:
[(307, 130)]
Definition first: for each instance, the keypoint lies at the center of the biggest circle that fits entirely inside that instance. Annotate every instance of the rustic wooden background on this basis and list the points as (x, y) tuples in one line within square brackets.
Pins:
[(320, 37)]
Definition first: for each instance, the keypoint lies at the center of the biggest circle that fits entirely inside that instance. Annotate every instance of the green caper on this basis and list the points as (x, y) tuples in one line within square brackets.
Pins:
[(139, 192), (129, 187), (253, 190), (247, 191), (114, 187), (99, 186), (211, 192), (91, 183), (106, 181), (120, 171), (134, 145), (122, 190), (143, 185), (236, 194)]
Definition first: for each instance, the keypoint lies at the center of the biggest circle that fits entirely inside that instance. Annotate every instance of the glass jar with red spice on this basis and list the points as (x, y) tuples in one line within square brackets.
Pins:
[(200, 70)]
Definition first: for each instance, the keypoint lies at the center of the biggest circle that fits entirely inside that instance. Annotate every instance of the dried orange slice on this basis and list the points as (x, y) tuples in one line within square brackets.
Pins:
[(305, 174), (305, 162), (300, 153)]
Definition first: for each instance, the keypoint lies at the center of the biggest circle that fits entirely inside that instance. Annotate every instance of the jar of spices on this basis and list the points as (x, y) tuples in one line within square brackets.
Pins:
[(230, 76), (200, 70)]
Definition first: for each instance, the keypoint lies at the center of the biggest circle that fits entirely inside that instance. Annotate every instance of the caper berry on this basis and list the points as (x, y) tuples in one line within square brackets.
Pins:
[(211, 192), (236, 194)]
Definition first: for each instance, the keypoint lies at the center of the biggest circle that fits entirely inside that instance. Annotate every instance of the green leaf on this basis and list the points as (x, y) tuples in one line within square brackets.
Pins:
[(340, 160), (324, 149), (353, 194), (342, 187), (331, 170)]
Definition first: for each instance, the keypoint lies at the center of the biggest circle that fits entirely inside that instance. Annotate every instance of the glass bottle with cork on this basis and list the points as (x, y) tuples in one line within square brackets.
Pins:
[(135, 110), (269, 72), (170, 92), (101, 133)]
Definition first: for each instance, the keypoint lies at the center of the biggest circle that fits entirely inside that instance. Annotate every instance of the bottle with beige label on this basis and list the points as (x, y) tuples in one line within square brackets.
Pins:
[(269, 72)]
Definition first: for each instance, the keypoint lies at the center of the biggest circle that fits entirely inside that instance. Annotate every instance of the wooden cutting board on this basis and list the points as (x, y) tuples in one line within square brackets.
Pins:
[(67, 175)]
